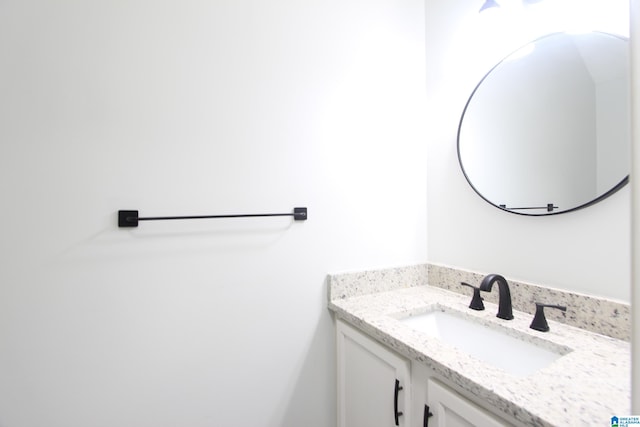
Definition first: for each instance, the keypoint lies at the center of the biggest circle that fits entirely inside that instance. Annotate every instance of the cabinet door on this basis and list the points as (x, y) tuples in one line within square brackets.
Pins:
[(452, 410), (373, 382)]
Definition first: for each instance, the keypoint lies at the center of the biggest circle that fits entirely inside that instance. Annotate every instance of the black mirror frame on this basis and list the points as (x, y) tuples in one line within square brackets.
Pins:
[(598, 199)]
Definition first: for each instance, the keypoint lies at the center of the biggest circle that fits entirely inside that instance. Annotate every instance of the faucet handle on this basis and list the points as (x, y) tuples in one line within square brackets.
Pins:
[(476, 301), (539, 322)]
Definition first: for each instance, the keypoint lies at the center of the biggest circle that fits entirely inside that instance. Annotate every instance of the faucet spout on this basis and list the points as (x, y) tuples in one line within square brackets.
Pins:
[(504, 302)]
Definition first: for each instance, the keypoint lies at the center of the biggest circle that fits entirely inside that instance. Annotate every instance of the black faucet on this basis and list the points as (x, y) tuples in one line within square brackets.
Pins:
[(539, 322), (504, 302), (476, 301)]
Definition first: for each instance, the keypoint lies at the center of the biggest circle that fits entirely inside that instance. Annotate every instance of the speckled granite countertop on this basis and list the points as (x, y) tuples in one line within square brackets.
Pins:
[(586, 386)]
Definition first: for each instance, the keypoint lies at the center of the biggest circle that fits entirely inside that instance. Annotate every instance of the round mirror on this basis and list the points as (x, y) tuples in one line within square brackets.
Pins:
[(547, 130)]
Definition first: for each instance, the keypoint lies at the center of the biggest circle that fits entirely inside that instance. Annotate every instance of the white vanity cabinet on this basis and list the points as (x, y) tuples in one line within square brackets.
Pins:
[(449, 409), (436, 405), (368, 396), (373, 382)]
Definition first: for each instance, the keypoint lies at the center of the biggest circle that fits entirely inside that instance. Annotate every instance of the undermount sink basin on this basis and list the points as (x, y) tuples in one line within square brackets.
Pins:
[(491, 345)]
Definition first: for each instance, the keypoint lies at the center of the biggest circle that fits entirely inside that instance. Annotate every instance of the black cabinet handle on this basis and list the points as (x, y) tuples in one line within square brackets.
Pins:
[(396, 390), (427, 415)]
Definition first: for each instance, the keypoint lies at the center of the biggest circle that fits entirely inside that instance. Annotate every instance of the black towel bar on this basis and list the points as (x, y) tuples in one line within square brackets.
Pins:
[(131, 218), (550, 207)]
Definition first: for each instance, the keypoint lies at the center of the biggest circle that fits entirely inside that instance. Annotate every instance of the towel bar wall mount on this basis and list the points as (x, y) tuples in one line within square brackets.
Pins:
[(131, 218)]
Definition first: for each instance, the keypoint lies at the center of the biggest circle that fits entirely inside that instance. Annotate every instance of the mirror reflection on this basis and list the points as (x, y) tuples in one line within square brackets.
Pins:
[(547, 130)]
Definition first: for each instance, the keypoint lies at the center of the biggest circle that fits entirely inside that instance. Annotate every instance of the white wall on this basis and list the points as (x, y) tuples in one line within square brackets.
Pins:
[(194, 107), (635, 196), (585, 251)]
